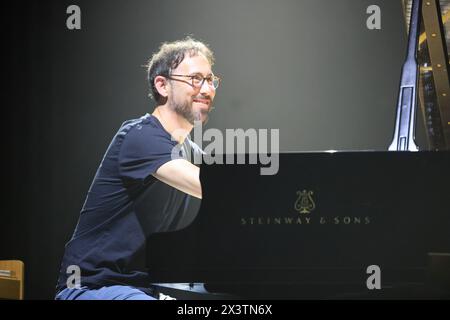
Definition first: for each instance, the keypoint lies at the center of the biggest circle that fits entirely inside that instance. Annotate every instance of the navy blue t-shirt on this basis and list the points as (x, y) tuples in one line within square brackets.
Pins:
[(125, 204)]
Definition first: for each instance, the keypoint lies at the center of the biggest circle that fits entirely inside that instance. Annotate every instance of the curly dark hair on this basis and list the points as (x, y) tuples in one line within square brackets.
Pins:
[(169, 56)]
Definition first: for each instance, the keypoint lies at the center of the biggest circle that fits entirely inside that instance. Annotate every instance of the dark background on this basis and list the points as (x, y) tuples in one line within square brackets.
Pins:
[(309, 68)]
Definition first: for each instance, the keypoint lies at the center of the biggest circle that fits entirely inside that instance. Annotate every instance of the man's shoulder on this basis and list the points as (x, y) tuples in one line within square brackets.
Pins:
[(144, 135), (135, 123), (142, 127)]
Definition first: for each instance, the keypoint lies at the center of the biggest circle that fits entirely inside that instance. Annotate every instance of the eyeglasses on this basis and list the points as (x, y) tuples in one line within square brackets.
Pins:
[(198, 80)]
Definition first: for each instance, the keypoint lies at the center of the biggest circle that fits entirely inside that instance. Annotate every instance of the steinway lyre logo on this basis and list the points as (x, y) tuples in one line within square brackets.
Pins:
[(305, 203)]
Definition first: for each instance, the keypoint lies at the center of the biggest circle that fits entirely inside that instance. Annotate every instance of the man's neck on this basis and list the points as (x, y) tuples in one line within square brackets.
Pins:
[(175, 124)]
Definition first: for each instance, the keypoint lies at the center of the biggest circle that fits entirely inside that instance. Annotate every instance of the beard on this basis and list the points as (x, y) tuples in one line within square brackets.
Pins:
[(186, 110)]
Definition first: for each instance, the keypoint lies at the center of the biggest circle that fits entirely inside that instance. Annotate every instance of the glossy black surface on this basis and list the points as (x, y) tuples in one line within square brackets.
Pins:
[(389, 209)]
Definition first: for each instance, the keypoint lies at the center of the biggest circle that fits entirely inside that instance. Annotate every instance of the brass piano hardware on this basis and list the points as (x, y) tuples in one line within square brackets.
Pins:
[(432, 19)]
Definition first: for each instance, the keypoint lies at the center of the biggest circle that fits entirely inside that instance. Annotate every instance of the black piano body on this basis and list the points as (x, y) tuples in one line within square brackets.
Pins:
[(314, 229)]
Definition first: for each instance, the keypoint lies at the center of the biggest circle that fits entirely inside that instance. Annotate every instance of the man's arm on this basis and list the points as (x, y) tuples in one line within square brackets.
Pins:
[(182, 175)]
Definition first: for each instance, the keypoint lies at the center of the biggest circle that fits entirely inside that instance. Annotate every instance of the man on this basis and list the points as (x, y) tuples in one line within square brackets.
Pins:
[(145, 182)]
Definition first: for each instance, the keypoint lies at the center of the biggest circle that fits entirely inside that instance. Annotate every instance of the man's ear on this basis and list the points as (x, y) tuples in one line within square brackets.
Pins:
[(161, 84)]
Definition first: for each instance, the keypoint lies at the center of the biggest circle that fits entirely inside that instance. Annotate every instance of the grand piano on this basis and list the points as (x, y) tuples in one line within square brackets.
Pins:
[(324, 225), (313, 229)]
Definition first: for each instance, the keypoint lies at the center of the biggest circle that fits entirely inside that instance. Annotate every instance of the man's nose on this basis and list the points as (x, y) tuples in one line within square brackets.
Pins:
[(206, 89)]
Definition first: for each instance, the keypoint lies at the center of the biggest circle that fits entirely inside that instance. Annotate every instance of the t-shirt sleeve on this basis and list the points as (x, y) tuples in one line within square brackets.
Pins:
[(144, 149)]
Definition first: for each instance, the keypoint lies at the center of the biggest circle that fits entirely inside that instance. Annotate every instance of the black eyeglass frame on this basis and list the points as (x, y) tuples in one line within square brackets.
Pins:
[(212, 77)]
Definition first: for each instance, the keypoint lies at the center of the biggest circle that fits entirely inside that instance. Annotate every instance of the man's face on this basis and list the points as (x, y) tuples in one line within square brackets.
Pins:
[(193, 103)]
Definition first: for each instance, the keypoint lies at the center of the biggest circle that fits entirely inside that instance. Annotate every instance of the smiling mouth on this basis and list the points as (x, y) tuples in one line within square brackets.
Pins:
[(205, 102)]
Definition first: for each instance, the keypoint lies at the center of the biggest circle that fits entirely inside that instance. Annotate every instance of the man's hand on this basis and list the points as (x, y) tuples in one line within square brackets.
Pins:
[(182, 175)]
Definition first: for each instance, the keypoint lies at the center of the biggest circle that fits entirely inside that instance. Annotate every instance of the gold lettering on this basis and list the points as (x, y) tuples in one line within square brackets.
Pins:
[(346, 220), (288, 220)]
